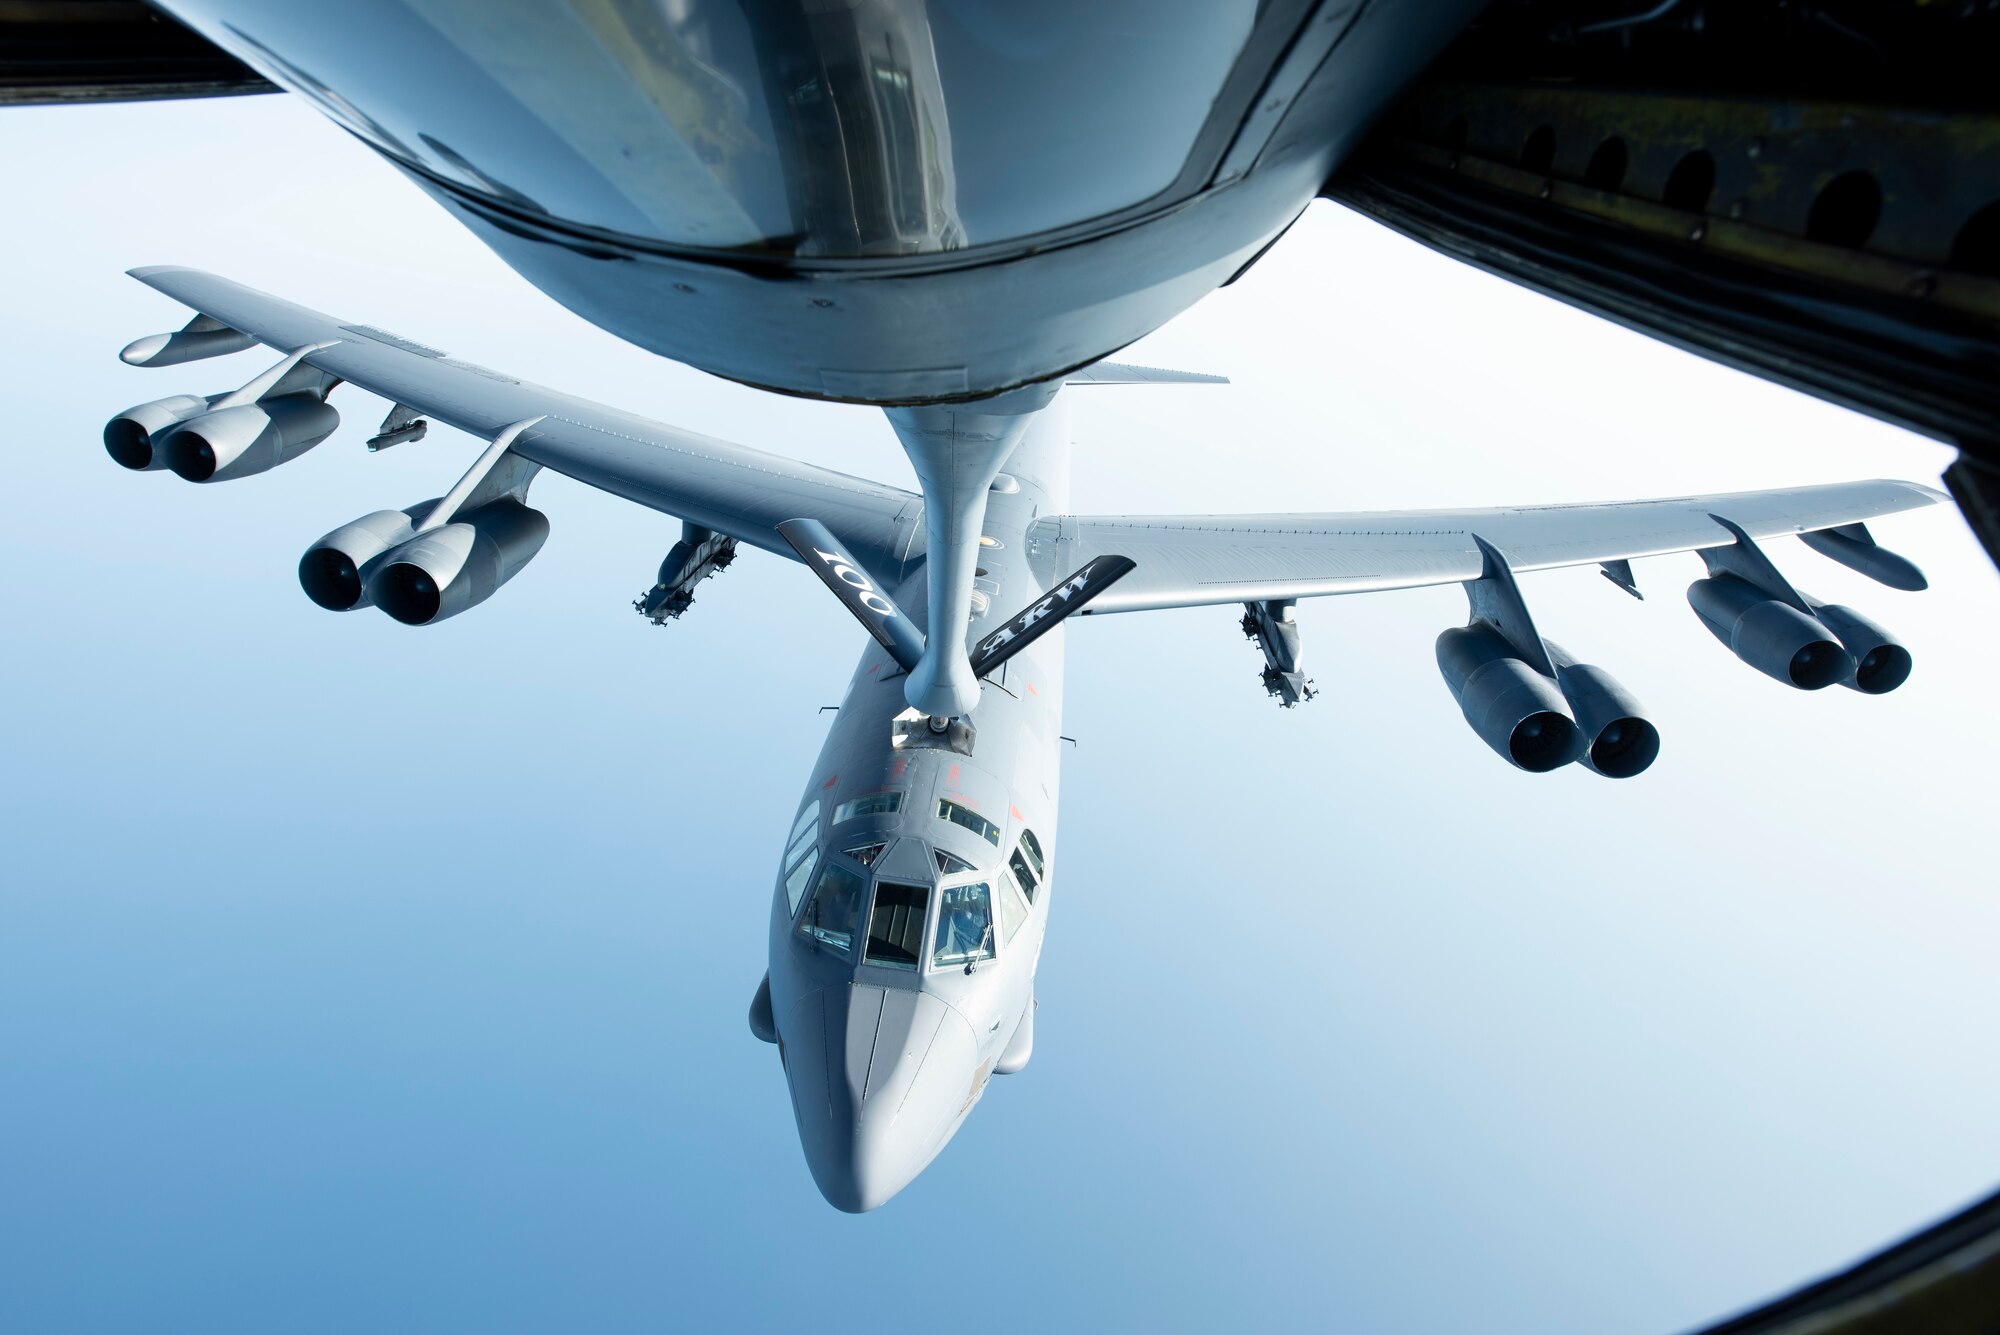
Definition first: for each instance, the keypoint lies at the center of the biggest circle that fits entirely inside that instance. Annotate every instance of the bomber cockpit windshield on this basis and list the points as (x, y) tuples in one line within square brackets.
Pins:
[(898, 920), (835, 907), (965, 925), (896, 925)]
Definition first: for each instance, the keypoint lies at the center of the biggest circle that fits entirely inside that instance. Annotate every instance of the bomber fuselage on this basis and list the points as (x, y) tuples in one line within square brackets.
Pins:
[(914, 892)]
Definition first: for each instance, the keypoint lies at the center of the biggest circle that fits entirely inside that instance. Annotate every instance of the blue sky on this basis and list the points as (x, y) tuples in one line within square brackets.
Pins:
[(356, 976)]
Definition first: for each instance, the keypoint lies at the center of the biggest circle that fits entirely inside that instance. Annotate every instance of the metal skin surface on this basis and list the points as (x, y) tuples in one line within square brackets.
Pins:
[(1770, 635), (247, 438), (331, 571), (132, 437), (885, 1056), (884, 1064), (957, 451), (889, 201), (445, 570)]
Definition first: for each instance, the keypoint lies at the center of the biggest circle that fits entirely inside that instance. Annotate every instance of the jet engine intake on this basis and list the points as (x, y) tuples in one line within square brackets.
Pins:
[(248, 438), (131, 437), (1619, 739), (1513, 708), (1881, 663), (332, 572), (441, 572), (1770, 635)]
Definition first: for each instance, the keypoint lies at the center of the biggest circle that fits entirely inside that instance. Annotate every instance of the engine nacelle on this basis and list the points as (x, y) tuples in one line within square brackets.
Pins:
[(1881, 663), (1515, 710), (1619, 740), (458, 565), (130, 437), (249, 438), (332, 570), (1772, 636)]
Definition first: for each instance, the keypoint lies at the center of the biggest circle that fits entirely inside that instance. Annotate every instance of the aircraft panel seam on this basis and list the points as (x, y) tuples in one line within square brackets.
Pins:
[(931, 1043)]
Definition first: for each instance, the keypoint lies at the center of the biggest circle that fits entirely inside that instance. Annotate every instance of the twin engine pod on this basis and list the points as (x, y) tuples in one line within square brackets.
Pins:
[(202, 443), (1833, 645), (422, 577), (1539, 724)]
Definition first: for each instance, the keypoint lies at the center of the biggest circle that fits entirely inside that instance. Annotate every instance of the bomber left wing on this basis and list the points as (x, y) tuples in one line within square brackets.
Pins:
[(741, 493)]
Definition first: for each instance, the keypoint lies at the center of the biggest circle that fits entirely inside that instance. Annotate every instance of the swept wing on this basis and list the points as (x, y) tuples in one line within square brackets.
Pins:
[(731, 489), (1194, 560)]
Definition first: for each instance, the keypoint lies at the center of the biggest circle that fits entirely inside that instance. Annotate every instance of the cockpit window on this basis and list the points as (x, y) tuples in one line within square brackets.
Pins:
[(835, 906), (867, 853), (801, 844), (970, 819), (1017, 863), (896, 927), (796, 878), (965, 925), (1013, 909), (873, 804), (948, 865), (1026, 864), (1031, 848), (801, 856)]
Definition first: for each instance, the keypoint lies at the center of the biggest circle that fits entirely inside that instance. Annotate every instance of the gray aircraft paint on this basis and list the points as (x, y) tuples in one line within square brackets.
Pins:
[(843, 1027), (802, 197), (884, 1064)]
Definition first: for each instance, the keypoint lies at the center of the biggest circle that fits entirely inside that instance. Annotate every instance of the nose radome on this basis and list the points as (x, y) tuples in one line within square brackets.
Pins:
[(879, 1077)]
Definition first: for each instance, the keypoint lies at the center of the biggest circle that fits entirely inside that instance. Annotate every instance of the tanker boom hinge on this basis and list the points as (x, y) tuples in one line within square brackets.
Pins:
[(1270, 627), (699, 554)]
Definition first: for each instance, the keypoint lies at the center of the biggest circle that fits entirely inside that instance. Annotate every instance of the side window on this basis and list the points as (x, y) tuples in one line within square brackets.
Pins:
[(896, 926), (1024, 874), (802, 854), (965, 925), (795, 880), (1031, 848), (1013, 909), (970, 819), (1026, 864), (835, 906), (808, 820), (872, 804)]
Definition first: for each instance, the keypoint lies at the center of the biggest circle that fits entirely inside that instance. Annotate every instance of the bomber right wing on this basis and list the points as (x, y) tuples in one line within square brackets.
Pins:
[(1525, 696), (1195, 560)]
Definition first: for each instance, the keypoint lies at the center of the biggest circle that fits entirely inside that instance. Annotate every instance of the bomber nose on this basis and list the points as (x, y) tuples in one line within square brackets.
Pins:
[(879, 1077)]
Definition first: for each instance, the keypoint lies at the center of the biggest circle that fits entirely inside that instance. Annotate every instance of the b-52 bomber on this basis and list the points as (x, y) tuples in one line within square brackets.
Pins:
[(911, 900)]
